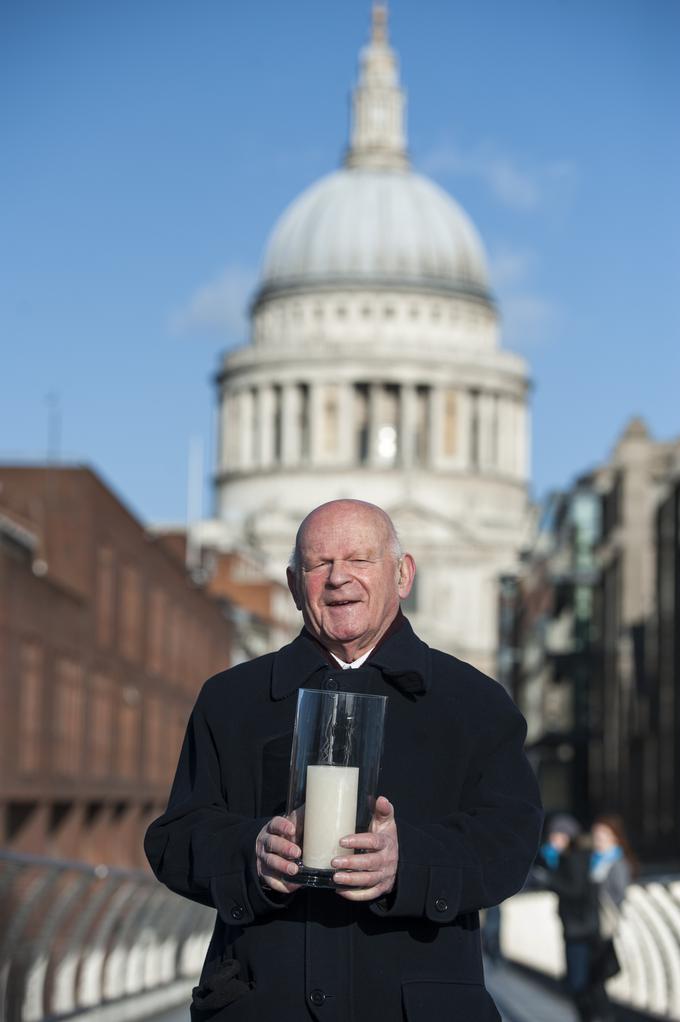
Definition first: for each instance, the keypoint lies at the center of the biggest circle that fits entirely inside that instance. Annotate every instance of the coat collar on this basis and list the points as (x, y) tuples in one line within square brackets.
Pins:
[(402, 658)]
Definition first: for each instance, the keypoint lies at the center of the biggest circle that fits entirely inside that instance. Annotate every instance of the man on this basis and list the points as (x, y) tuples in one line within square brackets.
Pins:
[(456, 829)]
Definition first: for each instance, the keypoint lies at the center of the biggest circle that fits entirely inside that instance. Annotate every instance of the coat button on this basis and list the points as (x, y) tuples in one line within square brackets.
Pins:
[(237, 912), (332, 684), (317, 997), (441, 904)]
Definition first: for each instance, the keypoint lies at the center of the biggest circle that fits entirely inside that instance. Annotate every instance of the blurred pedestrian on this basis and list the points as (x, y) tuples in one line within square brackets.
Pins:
[(612, 867), (560, 832), (590, 875), (564, 867)]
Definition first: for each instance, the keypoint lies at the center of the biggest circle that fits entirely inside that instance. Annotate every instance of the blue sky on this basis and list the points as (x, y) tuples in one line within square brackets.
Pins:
[(148, 147)]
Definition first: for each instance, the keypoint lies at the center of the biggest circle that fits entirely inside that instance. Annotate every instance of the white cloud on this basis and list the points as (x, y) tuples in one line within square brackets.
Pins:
[(218, 306), (528, 318), (519, 185), (509, 265)]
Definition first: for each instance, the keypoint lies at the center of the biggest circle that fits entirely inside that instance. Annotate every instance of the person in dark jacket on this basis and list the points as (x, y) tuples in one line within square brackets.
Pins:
[(399, 939), (578, 876)]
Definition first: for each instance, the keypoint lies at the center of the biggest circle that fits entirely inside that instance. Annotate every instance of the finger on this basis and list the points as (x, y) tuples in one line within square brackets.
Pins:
[(280, 825), (383, 809), (281, 846), (273, 864), (371, 842), (360, 863), (362, 894), (363, 879), (275, 883)]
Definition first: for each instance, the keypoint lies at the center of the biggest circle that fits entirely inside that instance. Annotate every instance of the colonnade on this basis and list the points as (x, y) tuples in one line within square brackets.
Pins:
[(377, 424)]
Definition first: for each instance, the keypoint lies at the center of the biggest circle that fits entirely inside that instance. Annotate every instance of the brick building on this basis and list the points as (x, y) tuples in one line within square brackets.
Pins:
[(104, 642)]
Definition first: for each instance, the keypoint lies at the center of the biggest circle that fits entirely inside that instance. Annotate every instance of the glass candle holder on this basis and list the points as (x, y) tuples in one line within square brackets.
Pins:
[(334, 768)]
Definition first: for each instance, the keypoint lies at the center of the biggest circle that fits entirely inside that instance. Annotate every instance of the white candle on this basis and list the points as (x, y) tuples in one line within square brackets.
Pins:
[(330, 813)]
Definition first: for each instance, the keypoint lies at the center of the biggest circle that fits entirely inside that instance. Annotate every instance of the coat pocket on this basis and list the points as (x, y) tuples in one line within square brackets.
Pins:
[(444, 1001), (220, 985)]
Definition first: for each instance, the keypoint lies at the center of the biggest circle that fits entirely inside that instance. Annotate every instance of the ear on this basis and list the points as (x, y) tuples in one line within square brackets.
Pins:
[(407, 572), (292, 579)]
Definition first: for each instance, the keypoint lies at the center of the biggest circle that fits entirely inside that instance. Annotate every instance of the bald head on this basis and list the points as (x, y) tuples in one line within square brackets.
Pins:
[(346, 513), (347, 575)]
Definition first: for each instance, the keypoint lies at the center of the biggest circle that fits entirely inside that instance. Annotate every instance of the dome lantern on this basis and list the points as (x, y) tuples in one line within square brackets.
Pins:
[(378, 136)]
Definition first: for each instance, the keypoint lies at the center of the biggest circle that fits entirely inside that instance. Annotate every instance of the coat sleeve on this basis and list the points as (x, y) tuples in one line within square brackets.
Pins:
[(481, 854), (198, 848)]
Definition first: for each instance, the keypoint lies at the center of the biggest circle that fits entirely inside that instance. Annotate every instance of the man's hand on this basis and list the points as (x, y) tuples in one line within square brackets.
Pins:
[(276, 854), (371, 873)]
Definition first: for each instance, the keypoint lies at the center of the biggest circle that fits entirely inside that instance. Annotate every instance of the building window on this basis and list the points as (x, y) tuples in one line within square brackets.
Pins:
[(450, 438), (130, 612), (68, 718), (422, 426), (156, 631), (387, 424), (128, 735), (303, 422), (331, 421), (30, 708), (104, 599), (101, 725), (361, 423), (154, 757), (474, 428), (277, 446)]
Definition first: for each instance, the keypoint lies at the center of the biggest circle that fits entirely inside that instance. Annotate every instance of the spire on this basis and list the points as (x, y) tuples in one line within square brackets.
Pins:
[(378, 136)]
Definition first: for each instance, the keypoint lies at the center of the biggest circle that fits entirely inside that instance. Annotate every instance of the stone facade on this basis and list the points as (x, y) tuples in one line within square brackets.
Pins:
[(591, 639)]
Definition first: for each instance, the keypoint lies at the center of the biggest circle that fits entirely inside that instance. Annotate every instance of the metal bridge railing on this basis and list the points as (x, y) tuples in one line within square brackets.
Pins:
[(76, 937), (647, 942)]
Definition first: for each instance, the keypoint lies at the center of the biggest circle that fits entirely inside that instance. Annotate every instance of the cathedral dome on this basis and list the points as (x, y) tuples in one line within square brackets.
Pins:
[(375, 226), (375, 223)]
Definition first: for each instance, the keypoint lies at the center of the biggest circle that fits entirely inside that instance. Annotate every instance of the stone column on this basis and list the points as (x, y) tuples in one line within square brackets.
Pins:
[(373, 422), (246, 431), (290, 447), (223, 431), (486, 428), (462, 457), (407, 424), (505, 447), (436, 418), (346, 452), (523, 440), (316, 423), (265, 454)]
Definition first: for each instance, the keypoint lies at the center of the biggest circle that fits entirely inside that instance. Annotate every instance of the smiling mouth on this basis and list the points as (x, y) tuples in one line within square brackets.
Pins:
[(342, 603)]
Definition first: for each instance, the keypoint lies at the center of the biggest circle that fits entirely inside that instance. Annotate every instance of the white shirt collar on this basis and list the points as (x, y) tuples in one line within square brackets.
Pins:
[(355, 663)]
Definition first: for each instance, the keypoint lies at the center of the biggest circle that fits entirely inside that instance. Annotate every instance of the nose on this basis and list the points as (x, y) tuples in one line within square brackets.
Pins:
[(338, 574)]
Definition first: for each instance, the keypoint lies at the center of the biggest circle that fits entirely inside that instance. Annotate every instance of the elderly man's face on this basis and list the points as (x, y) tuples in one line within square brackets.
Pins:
[(349, 582)]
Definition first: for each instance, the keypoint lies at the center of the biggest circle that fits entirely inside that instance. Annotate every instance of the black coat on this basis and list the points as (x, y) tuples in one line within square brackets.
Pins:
[(577, 896), (468, 817)]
